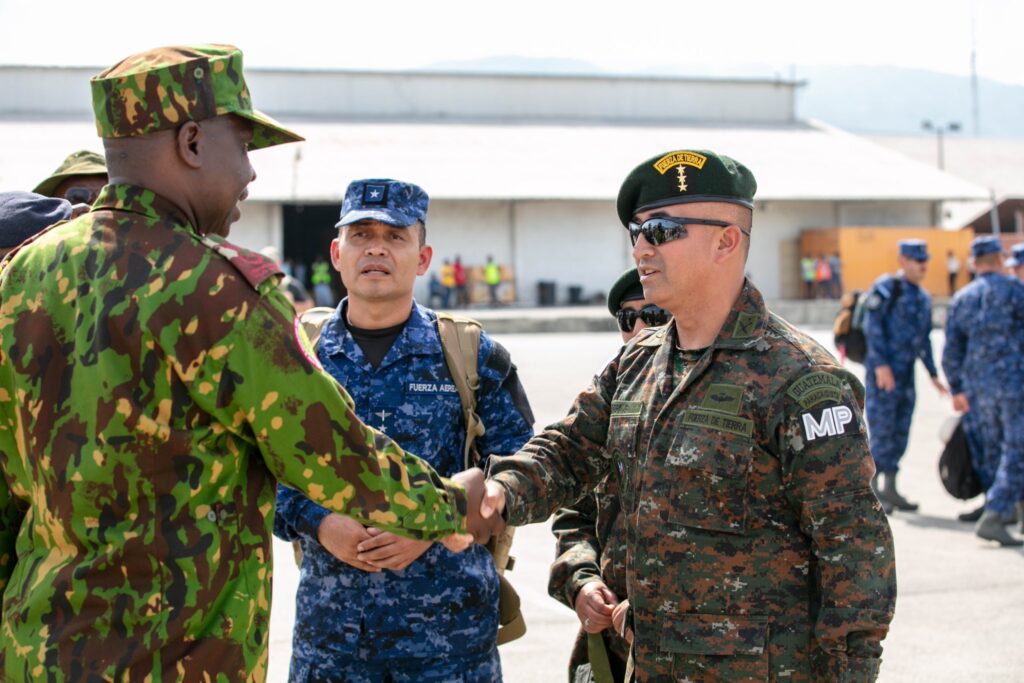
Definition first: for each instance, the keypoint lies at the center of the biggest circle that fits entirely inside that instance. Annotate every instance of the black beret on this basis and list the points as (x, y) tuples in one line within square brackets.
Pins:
[(24, 214), (626, 288), (685, 176)]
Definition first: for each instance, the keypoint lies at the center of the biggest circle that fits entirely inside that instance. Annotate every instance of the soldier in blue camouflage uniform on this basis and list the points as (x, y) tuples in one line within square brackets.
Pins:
[(372, 606), (1015, 264), (589, 571), (756, 549), (984, 362), (897, 328)]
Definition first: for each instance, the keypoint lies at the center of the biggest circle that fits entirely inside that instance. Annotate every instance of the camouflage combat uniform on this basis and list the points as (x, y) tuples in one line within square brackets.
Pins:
[(440, 612), (756, 549), (591, 546), (154, 385), (898, 328), (984, 358)]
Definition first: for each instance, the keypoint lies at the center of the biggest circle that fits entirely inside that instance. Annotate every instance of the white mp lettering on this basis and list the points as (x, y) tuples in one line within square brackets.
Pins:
[(833, 422)]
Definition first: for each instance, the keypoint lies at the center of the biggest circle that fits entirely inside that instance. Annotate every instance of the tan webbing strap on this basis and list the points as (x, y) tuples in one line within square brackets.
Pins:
[(313, 321), (460, 340)]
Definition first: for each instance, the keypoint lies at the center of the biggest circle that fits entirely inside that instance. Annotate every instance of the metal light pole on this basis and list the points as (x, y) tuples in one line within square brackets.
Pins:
[(940, 131)]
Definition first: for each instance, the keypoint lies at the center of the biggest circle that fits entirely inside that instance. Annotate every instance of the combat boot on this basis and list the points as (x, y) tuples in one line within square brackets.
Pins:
[(886, 505), (991, 528), (973, 515), (892, 496)]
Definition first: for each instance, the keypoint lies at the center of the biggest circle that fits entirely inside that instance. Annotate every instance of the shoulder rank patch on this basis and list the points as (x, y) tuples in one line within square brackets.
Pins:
[(626, 408), (746, 323), (829, 422), (815, 388), (709, 419), (873, 301), (255, 268), (725, 398)]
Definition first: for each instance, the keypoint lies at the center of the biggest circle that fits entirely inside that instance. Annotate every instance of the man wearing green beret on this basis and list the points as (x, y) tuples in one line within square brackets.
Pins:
[(589, 571), (756, 549), (79, 178), (154, 386)]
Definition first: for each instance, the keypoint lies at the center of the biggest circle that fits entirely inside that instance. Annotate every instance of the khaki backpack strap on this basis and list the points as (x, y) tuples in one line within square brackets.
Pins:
[(313, 321), (460, 340)]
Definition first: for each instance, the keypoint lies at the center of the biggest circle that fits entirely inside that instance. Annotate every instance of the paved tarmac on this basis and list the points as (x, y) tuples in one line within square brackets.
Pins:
[(960, 610)]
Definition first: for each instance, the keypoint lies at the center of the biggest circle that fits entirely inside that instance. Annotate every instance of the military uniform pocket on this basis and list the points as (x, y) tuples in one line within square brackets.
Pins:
[(717, 647), (621, 446), (710, 486)]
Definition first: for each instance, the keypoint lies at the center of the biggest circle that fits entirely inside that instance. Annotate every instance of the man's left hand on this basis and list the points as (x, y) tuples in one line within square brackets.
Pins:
[(388, 551)]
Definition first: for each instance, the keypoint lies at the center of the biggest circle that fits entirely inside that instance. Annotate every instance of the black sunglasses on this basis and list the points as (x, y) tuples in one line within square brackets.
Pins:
[(661, 229), (81, 195), (651, 315)]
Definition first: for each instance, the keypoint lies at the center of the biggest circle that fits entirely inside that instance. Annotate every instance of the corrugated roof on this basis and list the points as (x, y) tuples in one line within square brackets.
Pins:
[(996, 163), (466, 160)]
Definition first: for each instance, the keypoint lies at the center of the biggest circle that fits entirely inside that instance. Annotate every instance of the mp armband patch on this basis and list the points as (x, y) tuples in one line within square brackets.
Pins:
[(829, 422)]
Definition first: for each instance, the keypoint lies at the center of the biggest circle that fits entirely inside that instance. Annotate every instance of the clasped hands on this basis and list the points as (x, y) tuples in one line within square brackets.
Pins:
[(372, 550)]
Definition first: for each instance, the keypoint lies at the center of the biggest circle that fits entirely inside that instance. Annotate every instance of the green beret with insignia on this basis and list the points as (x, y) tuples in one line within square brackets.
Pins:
[(163, 88), (626, 288), (682, 177)]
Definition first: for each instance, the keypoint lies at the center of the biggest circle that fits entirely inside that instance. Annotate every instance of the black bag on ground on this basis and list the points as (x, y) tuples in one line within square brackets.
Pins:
[(955, 467)]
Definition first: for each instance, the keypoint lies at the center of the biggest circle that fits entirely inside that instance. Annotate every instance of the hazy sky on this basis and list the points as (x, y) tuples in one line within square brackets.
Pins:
[(625, 36)]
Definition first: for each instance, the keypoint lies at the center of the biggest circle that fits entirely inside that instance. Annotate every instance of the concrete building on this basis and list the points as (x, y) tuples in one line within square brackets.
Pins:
[(525, 168)]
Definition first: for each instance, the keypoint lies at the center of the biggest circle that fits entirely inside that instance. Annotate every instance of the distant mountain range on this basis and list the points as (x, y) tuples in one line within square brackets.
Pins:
[(862, 99)]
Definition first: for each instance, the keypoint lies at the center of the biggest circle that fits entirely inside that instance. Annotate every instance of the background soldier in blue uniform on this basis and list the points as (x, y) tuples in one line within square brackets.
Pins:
[(984, 362), (374, 606), (898, 329), (1015, 264)]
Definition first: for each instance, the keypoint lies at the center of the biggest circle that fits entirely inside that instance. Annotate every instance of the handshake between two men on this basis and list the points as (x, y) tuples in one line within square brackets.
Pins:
[(485, 504)]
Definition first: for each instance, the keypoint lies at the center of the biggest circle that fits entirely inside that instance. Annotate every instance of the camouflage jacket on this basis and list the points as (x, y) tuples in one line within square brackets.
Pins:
[(154, 385), (755, 547), (898, 325), (984, 348), (395, 614)]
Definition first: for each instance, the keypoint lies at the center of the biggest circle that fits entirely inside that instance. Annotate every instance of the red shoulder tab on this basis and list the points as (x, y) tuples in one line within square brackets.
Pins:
[(254, 267)]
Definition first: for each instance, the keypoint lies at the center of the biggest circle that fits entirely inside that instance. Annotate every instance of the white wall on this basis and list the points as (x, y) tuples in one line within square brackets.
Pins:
[(260, 226), (917, 214)]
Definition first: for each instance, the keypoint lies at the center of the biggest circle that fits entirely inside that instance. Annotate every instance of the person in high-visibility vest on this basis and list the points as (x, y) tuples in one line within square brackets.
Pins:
[(321, 279), (492, 276)]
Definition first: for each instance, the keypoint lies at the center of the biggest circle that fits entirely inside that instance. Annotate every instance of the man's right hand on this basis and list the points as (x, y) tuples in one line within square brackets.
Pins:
[(594, 605), (961, 404), (884, 378), (341, 537), (481, 519)]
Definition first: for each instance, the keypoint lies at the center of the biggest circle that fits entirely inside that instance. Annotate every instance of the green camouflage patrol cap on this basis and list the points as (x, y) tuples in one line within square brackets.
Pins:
[(682, 177), (82, 162), (165, 87)]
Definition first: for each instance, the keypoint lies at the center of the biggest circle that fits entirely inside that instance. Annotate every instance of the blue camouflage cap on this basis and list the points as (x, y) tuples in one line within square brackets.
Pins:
[(914, 249), (986, 244), (1016, 256), (385, 200)]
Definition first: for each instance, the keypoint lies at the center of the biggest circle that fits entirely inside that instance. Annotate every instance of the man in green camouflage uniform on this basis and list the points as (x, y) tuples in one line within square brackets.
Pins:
[(154, 386), (756, 548)]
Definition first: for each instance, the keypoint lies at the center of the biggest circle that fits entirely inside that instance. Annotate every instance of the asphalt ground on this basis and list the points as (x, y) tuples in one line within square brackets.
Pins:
[(960, 610)]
